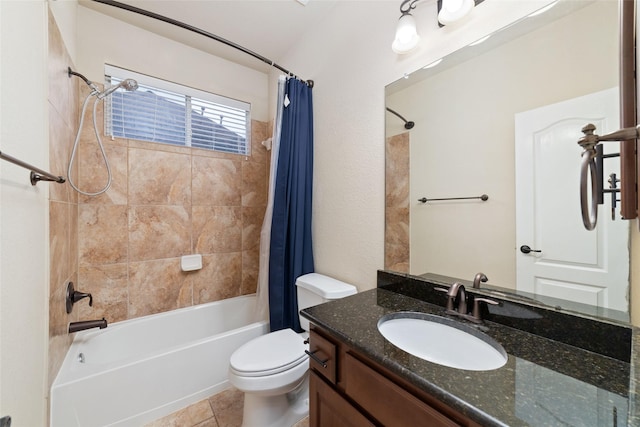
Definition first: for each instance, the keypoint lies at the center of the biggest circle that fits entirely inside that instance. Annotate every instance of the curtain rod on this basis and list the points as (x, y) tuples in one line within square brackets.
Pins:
[(201, 32)]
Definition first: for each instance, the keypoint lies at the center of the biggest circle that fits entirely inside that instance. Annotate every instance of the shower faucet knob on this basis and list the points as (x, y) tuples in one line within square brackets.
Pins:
[(74, 296)]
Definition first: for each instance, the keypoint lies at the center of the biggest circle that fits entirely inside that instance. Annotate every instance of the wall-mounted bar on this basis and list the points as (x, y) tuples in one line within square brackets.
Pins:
[(484, 198), (37, 174)]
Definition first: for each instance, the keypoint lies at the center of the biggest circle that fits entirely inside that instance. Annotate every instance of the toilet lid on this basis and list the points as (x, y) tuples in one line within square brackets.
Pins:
[(269, 354)]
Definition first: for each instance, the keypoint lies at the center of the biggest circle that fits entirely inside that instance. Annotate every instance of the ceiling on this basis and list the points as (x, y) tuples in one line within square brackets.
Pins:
[(267, 27)]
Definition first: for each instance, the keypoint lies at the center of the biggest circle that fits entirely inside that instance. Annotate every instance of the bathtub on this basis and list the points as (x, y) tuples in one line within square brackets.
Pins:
[(139, 370)]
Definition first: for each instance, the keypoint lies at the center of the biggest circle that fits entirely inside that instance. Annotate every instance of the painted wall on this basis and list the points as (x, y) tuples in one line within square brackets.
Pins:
[(105, 40), (24, 220), (65, 14)]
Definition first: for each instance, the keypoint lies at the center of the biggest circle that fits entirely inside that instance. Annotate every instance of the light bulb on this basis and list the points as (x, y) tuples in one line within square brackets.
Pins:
[(406, 34), (454, 10)]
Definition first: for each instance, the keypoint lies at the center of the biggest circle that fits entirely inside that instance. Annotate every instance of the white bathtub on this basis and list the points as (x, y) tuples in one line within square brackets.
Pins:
[(139, 370)]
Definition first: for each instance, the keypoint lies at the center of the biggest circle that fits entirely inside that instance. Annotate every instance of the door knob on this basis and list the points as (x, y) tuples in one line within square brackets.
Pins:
[(526, 249)]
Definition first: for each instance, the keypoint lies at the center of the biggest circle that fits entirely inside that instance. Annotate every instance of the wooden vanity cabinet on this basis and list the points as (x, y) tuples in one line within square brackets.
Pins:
[(348, 389)]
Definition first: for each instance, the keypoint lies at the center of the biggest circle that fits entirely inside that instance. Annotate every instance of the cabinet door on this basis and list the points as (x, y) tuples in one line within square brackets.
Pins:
[(329, 409), (387, 402)]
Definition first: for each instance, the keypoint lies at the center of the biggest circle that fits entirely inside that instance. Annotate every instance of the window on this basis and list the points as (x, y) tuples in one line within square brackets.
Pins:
[(165, 112)]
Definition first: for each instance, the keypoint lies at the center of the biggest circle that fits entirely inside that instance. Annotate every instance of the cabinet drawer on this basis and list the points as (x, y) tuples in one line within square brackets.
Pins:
[(387, 402), (323, 356)]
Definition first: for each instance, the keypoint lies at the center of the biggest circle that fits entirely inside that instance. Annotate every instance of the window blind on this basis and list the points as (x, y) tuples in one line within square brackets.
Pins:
[(166, 112)]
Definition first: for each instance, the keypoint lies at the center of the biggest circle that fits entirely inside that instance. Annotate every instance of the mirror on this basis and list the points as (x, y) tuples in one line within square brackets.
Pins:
[(469, 111)]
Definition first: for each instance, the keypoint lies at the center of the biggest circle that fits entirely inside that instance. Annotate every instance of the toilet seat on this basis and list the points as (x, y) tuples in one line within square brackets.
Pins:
[(269, 354)]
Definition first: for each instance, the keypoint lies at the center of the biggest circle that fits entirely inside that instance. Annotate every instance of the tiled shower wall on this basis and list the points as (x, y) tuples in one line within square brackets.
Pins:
[(124, 246), (63, 201), (165, 202), (396, 233)]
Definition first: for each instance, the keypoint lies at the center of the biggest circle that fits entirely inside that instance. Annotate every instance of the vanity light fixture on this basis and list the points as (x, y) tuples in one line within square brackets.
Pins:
[(406, 32), (449, 12)]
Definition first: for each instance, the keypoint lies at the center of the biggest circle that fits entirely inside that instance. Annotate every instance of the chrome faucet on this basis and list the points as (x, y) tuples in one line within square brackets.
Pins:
[(87, 324), (480, 277)]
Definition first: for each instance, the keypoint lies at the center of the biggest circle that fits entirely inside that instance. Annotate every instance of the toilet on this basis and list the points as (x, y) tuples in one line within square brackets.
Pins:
[(271, 370)]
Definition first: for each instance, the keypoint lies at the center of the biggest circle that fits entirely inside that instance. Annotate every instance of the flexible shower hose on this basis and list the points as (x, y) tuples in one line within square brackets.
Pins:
[(75, 148)]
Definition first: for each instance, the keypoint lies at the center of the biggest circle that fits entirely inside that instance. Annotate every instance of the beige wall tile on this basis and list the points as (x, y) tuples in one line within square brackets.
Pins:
[(217, 229), (108, 284), (93, 176), (250, 268), (158, 232), (60, 140), (88, 132), (396, 236), (157, 286), (159, 178), (252, 218), (216, 182), (166, 201), (58, 317), (63, 212), (102, 231), (397, 170), (254, 184), (158, 146), (396, 248), (218, 154), (220, 278), (73, 238), (259, 134), (59, 244)]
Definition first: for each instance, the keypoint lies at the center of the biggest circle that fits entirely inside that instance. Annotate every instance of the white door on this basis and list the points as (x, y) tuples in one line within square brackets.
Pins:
[(590, 267)]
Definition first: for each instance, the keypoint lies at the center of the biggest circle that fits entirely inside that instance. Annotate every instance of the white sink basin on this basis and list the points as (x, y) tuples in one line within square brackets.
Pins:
[(442, 341)]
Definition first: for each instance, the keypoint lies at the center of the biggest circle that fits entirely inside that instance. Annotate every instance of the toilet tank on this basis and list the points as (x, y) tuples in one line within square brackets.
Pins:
[(315, 288)]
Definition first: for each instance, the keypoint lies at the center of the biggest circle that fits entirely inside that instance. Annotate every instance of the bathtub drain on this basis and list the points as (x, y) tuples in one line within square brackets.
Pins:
[(81, 357)]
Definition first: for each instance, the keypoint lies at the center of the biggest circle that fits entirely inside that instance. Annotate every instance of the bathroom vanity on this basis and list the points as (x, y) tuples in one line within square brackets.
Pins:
[(362, 389), (561, 369)]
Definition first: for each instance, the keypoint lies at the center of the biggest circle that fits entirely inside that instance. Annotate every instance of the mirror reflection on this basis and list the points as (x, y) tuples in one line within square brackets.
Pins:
[(502, 118)]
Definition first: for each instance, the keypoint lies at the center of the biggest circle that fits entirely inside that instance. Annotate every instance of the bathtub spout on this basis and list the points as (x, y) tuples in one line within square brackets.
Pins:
[(87, 324)]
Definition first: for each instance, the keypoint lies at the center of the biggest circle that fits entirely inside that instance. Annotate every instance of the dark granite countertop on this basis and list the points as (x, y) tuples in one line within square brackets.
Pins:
[(545, 382)]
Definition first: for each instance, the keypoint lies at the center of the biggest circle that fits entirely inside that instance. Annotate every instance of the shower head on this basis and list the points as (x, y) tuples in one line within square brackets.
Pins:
[(127, 84)]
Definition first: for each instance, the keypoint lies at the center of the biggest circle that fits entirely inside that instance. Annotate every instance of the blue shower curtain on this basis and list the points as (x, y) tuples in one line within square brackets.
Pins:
[(291, 252)]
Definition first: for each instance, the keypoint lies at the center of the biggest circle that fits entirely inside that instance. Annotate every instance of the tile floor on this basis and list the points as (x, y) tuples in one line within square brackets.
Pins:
[(221, 410)]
